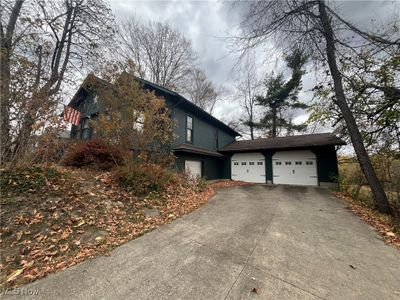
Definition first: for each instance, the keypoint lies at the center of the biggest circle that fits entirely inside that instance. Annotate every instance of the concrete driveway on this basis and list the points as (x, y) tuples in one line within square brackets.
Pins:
[(288, 242)]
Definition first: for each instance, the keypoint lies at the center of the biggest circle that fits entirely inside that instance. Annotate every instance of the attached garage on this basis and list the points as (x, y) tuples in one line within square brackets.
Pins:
[(248, 167), (308, 160), (295, 167)]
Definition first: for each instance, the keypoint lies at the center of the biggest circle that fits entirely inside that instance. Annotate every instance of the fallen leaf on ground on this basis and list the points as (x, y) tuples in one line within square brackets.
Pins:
[(14, 275), (19, 235), (61, 240), (99, 238), (81, 222), (27, 265)]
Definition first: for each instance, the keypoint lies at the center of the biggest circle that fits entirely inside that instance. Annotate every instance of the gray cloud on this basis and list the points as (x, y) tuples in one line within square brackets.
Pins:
[(205, 22)]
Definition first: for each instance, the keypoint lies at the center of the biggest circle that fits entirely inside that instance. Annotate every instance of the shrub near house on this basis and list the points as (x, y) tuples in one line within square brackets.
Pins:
[(95, 153), (144, 178)]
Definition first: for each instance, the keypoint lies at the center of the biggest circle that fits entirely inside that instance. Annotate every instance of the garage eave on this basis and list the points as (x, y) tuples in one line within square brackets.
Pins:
[(284, 143)]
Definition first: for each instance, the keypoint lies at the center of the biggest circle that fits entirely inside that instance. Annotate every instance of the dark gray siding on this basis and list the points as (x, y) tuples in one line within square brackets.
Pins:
[(88, 108), (226, 167), (204, 125), (224, 138), (212, 167), (327, 165), (268, 165), (204, 133)]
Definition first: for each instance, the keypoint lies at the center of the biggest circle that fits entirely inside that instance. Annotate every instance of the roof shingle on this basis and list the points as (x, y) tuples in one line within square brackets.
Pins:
[(289, 142)]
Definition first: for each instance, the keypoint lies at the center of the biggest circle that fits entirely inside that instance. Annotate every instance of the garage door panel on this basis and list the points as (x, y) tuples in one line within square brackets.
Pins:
[(249, 167), (193, 168), (295, 167)]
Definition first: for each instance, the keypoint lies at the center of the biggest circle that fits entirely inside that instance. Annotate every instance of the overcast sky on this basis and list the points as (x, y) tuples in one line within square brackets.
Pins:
[(204, 23)]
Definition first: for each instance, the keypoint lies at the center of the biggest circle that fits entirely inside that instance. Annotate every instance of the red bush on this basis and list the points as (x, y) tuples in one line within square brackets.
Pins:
[(94, 153)]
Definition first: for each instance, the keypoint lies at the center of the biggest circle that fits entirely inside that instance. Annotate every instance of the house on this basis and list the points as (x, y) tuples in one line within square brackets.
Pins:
[(207, 147)]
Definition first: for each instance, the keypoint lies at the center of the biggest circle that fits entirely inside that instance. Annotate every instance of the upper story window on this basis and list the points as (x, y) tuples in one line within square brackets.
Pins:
[(189, 129)]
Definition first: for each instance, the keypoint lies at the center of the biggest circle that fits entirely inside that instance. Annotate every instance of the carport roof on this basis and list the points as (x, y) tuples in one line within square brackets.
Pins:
[(288, 142)]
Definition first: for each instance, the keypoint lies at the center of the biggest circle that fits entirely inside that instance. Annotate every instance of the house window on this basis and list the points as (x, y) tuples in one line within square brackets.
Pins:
[(251, 163), (243, 163), (298, 163), (278, 163), (309, 163), (288, 163), (236, 163), (260, 163), (189, 129)]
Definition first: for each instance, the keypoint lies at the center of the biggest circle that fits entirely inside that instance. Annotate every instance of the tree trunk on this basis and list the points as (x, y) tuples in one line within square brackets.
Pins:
[(51, 87), (274, 116), (5, 78), (251, 125), (380, 198)]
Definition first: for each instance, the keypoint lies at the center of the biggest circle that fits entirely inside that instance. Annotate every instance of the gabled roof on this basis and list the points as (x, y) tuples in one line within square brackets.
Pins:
[(180, 100), (196, 150), (288, 142), (82, 91)]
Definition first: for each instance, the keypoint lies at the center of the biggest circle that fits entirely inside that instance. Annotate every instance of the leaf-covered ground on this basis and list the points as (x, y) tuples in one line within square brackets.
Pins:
[(75, 215), (382, 223)]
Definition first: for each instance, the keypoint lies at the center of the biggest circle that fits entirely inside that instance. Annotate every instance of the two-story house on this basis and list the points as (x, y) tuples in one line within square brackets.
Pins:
[(207, 147)]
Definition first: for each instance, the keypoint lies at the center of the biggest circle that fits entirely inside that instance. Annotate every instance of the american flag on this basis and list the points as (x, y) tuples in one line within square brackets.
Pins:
[(72, 115)]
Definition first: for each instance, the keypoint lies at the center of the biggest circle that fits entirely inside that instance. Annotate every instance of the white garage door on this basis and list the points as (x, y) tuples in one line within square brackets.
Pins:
[(193, 167), (249, 167), (295, 167)]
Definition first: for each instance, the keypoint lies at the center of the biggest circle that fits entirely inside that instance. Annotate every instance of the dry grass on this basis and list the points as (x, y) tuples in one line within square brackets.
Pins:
[(355, 191)]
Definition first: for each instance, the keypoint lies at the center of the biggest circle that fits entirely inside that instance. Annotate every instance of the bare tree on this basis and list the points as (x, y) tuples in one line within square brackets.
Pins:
[(200, 90), (248, 86), (7, 29), (313, 25), (59, 38), (162, 55)]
